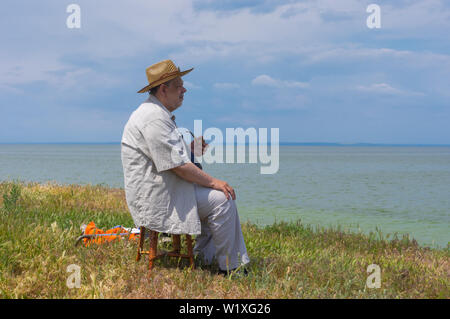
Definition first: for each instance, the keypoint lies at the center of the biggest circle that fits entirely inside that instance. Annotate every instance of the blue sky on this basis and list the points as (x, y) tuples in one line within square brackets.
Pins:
[(313, 69)]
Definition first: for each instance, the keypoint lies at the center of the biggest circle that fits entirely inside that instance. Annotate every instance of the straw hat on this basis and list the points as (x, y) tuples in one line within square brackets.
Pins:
[(162, 72)]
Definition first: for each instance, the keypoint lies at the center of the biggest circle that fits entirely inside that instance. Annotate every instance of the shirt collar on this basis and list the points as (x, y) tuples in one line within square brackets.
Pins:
[(155, 100)]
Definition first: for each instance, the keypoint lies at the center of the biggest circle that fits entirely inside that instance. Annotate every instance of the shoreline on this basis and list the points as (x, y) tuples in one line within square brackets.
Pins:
[(351, 228)]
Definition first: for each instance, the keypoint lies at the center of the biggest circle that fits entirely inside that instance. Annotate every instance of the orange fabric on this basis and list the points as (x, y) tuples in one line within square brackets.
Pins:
[(91, 229)]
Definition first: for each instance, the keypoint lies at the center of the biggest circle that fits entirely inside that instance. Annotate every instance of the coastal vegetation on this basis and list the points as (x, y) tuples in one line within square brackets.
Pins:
[(39, 224)]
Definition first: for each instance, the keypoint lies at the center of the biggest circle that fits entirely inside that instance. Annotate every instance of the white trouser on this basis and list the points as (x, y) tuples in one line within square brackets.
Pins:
[(221, 235)]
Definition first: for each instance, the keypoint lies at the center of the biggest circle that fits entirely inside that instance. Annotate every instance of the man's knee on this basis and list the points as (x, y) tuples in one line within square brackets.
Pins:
[(214, 205), (218, 198), (223, 208)]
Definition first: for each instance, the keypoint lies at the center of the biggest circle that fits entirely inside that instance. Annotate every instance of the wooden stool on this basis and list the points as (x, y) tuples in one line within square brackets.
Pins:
[(153, 252)]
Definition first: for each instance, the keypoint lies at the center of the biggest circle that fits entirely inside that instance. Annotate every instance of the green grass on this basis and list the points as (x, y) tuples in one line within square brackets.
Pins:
[(40, 222)]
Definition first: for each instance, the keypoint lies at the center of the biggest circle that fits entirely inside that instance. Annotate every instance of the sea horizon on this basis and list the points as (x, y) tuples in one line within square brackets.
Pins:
[(280, 143)]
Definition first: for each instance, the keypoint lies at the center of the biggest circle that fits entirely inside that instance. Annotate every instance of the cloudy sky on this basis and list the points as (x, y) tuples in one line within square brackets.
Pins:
[(313, 69)]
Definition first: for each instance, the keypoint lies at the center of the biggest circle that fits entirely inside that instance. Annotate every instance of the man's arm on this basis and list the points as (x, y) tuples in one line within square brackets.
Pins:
[(193, 174)]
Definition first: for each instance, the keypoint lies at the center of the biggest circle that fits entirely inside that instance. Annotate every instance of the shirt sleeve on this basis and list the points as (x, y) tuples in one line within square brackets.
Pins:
[(165, 144)]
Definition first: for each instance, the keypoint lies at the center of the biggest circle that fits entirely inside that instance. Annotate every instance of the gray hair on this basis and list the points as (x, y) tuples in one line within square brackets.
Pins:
[(155, 89)]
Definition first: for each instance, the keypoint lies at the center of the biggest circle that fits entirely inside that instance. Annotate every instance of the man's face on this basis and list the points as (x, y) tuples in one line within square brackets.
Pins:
[(175, 94)]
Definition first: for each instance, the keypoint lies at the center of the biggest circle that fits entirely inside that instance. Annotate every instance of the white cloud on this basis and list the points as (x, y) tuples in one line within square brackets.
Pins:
[(326, 41), (113, 30), (357, 53), (266, 80), (352, 54), (49, 69), (384, 88)]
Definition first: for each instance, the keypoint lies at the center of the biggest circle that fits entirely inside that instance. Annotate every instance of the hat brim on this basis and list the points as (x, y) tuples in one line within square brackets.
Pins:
[(156, 83)]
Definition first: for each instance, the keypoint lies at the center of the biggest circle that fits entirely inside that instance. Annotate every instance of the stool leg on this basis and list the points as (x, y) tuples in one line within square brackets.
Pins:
[(176, 243), (153, 249), (190, 250), (141, 243)]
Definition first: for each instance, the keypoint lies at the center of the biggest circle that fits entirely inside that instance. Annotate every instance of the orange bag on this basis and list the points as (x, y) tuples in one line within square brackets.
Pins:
[(92, 234)]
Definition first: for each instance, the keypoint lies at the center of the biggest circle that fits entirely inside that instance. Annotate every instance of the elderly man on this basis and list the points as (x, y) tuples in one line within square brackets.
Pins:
[(165, 191)]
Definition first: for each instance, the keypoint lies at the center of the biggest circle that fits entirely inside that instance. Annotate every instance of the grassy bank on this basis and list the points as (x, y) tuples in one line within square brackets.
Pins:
[(40, 222)]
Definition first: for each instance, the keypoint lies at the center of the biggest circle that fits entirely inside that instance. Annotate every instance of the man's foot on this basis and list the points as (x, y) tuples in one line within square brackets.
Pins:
[(233, 271)]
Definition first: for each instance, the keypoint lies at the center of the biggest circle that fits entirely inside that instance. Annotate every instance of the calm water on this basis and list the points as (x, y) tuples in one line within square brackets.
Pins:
[(402, 190)]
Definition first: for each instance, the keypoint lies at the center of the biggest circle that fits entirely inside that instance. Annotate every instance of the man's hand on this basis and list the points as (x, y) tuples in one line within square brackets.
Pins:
[(193, 174), (224, 187), (195, 146)]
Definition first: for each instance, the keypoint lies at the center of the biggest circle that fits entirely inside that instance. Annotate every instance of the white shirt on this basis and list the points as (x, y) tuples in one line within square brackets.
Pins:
[(157, 198)]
